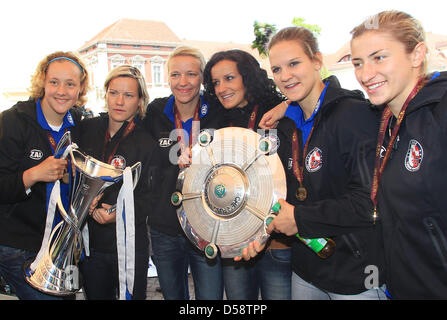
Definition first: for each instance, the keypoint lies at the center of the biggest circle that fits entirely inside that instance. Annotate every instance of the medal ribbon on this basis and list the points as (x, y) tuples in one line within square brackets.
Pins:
[(252, 120), (129, 128), (379, 164), (179, 127), (297, 169), (54, 146)]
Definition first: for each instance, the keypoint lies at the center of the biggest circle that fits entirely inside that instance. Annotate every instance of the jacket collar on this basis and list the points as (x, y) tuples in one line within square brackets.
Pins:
[(67, 121), (336, 92), (432, 92), (27, 108)]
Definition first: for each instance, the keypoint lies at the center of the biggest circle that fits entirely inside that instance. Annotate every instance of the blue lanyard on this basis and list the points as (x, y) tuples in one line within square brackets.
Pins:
[(295, 113), (57, 135)]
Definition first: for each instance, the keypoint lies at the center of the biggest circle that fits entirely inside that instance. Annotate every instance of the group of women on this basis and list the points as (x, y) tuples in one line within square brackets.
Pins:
[(363, 174)]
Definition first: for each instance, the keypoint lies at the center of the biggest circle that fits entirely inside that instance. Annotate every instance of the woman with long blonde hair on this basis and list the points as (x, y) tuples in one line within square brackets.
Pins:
[(408, 190)]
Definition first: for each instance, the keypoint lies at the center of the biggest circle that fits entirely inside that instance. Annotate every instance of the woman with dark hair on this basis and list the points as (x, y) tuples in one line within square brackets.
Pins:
[(258, 88), (235, 81)]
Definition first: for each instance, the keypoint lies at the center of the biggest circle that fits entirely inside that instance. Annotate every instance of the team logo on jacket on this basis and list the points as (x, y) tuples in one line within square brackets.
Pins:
[(70, 119), (164, 142), (36, 154), (118, 162), (314, 160), (204, 109), (415, 154)]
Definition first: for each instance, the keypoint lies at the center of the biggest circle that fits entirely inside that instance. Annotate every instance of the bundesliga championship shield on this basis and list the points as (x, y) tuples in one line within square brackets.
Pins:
[(225, 197)]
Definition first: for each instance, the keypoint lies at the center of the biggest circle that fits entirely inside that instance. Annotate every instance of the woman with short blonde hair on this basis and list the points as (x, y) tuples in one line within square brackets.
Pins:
[(174, 122), (134, 73), (188, 51), (117, 138)]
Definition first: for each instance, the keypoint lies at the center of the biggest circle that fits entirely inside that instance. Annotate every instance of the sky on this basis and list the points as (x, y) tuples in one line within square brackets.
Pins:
[(30, 30)]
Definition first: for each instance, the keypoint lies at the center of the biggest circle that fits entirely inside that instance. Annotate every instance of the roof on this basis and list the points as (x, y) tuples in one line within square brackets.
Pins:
[(208, 48), (331, 60), (436, 59), (131, 31), (135, 31)]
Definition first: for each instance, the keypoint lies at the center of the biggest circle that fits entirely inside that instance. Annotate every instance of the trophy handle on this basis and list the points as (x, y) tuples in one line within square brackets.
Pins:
[(62, 146), (136, 173)]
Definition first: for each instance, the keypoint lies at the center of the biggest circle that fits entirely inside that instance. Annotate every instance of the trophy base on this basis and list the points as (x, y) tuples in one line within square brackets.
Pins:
[(51, 280)]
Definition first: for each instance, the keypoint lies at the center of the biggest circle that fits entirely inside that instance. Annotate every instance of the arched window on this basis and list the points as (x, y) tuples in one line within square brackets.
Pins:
[(116, 61), (138, 62)]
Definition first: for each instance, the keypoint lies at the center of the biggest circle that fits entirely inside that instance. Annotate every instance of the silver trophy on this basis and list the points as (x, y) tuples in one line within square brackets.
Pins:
[(53, 273), (225, 197)]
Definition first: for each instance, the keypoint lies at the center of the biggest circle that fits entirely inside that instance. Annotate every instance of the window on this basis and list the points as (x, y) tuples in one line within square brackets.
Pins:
[(156, 76), (116, 61), (157, 70), (138, 62)]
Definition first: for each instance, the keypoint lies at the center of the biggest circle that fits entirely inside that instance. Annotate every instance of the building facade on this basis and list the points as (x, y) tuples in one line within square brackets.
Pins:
[(145, 45), (142, 44)]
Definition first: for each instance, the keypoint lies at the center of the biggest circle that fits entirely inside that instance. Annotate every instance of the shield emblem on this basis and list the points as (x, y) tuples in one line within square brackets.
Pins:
[(314, 160), (415, 154)]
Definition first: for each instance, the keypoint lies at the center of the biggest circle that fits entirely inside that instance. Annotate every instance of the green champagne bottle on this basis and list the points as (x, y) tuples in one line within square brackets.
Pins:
[(323, 247)]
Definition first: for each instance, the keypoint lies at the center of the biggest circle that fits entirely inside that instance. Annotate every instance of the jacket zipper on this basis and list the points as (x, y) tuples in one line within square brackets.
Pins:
[(438, 239), (352, 243)]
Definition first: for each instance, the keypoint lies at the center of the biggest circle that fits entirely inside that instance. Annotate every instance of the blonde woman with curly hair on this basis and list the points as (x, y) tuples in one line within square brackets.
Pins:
[(29, 133)]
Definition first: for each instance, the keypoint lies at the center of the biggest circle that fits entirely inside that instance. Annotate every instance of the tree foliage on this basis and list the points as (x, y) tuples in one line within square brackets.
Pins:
[(263, 32), (299, 22)]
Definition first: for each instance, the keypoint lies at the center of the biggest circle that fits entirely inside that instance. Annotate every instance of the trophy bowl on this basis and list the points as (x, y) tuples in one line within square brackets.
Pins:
[(225, 196), (55, 269)]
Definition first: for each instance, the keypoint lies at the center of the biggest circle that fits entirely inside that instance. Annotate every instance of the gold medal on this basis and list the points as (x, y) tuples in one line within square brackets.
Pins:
[(66, 177), (301, 194)]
